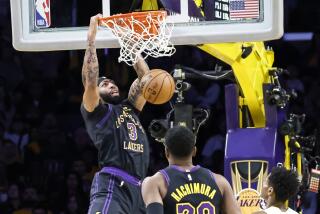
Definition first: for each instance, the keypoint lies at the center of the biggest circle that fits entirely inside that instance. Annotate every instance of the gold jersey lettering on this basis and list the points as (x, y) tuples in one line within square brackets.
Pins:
[(186, 186), (179, 193), (183, 190), (193, 188), (174, 195), (212, 194), (208, 188), (136, 147), (196, 187), (126, 114), (202, 188)]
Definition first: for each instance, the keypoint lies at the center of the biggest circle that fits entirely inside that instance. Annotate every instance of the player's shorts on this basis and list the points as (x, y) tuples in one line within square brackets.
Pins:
[(115, 191)]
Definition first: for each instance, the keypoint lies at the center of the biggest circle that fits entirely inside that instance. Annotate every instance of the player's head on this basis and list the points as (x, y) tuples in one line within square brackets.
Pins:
[(280, 185), (108, 90), (180, 143)]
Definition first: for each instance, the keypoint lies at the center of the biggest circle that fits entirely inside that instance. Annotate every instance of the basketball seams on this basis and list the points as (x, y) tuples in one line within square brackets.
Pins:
[(160, 88), (157, 86), (149, 82)]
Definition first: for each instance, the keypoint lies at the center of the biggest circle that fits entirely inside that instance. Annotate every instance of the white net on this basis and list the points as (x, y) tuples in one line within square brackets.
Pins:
[(150, 37)]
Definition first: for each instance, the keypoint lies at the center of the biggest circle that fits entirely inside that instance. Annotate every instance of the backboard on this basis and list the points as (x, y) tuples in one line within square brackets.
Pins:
[(45, 25)]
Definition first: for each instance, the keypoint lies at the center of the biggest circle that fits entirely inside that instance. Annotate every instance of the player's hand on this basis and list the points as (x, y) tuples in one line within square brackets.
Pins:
[(94, 21)]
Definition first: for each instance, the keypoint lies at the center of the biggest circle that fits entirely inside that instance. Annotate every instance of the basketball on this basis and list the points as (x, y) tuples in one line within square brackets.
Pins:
[(157, 86)]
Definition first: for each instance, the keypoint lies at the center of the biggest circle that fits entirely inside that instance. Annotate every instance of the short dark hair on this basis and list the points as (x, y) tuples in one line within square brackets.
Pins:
[(180, 141), (284, 182)]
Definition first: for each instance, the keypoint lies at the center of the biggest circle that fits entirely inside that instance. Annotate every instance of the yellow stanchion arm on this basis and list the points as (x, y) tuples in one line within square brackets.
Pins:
[(150, 5), (251, 72), (286, 152), (299, 160)]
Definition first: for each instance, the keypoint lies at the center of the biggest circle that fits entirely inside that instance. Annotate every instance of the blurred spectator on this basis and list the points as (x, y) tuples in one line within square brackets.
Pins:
[(12, 161), (18, 134), (29, 200), (7, 109), (205, 99), (3, 175), (79, 167), (294, 82), (13, 201), (74, 206), (213, 151), (310, 203), (81, 140), (40, 210), (4, 13), (3, 195), (72, 187), (10, 63)]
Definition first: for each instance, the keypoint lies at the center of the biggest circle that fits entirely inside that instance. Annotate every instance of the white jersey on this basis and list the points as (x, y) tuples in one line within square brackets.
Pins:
[(276, 210)]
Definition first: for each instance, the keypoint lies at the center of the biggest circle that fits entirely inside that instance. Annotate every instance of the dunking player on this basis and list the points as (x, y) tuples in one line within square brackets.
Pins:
[(279, 186), (183, 187), (115, 129)]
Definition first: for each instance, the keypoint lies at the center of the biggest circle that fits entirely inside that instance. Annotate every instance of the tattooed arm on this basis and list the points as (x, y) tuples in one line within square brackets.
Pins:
[(90, 68), (135, 96), (141, 67)]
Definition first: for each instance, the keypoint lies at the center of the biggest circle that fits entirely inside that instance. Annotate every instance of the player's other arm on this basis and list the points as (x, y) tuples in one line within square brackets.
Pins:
[(229, 203), (135, 96), (151, 194), (90, 68)]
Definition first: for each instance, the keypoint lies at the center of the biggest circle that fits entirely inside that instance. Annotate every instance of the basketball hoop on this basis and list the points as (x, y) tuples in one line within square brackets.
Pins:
[(140, 32)]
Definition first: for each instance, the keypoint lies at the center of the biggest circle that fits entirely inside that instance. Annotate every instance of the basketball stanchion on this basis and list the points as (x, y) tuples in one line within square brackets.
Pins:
[(140, 33)]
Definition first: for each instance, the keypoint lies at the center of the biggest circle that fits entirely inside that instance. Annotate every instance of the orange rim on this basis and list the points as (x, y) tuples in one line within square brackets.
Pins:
[(136, 15), (125, 19)]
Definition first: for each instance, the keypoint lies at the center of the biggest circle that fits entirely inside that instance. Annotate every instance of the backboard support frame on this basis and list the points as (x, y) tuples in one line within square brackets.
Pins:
[(24, 38)]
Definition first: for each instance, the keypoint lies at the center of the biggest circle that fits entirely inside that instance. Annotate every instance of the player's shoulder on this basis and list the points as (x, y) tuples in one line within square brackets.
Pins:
[(153, 180), (100, 107), (221, 182), (157, 176), (99, 116), (291, 211), (218, 178)]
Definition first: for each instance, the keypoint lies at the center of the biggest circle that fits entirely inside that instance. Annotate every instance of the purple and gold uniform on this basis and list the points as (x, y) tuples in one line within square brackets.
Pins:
[(123, 154), (191, 191)]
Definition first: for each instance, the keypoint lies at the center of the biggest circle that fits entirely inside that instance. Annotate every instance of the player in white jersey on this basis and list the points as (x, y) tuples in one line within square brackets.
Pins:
[(279, 186)]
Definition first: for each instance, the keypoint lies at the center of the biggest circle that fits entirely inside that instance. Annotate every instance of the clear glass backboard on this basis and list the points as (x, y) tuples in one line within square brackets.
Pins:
[(44, 25)]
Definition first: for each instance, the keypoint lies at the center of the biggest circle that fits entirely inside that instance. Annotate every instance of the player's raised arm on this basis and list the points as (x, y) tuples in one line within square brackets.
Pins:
[(135, 96), (141, 67), (151, 194), (90, 68), (229, 204)]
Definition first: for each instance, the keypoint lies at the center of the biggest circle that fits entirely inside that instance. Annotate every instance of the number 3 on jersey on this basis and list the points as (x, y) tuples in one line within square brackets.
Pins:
[(132, 131), (205, 207)]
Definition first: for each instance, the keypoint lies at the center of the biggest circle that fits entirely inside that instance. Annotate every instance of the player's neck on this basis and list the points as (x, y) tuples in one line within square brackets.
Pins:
[(185, 164), (280, 205)]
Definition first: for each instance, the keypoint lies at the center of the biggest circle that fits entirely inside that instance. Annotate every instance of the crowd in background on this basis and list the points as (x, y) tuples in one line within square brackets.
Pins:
[(47, 160)]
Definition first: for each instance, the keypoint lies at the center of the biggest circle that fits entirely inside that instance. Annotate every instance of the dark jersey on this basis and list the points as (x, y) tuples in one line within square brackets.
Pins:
[(193, 191), (119, 137)]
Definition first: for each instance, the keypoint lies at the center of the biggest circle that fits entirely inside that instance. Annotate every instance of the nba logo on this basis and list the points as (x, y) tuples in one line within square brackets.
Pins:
[(42, 13)]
